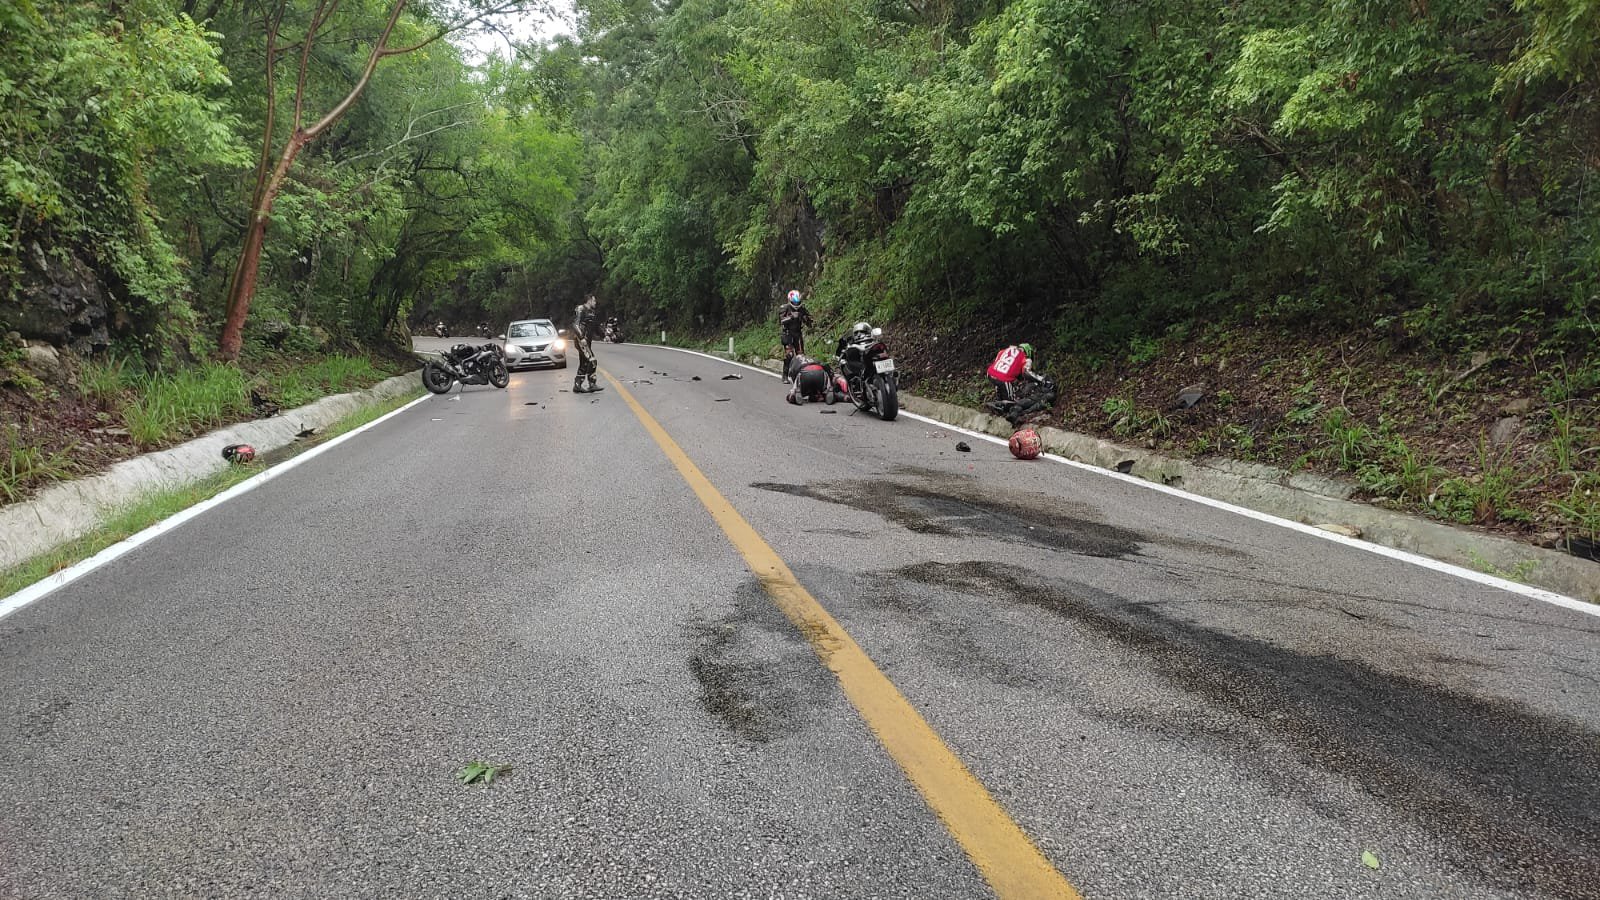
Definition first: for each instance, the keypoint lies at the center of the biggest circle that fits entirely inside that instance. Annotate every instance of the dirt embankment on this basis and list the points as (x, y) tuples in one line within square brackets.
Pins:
[(1505, 441)]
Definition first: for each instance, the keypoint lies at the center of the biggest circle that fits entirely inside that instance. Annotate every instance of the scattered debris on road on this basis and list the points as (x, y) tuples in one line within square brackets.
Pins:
[(695, 378), (306, 432), (482, 773), (1349, 531), (239, 454), (531, 403), (962, 446), (723, 399), (830, 412), (732, 378), (1125, 466)]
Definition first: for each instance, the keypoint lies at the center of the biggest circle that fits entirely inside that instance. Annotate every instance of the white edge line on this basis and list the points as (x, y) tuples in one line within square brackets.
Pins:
[(68, 575), (1416, 559)]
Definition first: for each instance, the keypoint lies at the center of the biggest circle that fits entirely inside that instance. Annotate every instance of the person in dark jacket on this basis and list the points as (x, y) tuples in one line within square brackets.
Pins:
[(583, 329)]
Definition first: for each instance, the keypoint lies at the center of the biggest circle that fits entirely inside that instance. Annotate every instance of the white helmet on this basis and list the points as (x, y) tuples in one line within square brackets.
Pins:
[(862, 328)]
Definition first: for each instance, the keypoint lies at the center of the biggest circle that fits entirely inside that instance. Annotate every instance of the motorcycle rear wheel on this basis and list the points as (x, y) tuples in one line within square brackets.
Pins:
[(437, 379), (499, 375), (888, 398)]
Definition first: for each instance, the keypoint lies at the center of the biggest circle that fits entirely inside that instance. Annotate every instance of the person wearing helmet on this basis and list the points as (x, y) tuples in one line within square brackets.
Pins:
[(813, 381), (1015, 361), (792, 322), (583, 327)]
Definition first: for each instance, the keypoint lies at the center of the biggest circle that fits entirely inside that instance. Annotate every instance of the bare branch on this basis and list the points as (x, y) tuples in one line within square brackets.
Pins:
[(498, 9)]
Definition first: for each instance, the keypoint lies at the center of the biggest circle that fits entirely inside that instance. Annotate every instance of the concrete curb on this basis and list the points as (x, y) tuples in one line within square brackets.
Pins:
[(1300, 497), (1304, 498), (71, 509)]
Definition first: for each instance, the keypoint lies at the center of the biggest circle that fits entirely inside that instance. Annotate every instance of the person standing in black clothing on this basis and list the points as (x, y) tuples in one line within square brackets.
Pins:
[(583, 326), (792, 321)]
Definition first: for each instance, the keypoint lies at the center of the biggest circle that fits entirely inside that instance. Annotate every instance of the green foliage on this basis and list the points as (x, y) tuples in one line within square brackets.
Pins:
[(337, 374), (482, 772), (169, 406), (97, 112), (1350, 443), (24, 466), (1487, 496)]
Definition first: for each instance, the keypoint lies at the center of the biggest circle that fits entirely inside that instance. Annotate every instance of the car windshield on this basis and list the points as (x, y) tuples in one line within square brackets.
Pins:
[(530, 329)]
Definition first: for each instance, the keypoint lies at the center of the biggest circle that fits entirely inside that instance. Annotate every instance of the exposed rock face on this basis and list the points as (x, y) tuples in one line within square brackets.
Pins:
[(58, 301)]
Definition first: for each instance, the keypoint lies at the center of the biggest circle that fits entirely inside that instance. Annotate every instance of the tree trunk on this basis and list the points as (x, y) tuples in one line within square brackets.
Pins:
[(243, 289)]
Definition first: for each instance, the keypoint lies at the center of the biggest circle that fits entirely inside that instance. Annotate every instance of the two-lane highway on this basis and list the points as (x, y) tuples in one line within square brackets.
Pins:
[(1161, 698)]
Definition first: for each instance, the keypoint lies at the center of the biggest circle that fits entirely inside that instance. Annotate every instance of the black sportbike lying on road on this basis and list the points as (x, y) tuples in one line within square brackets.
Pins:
[(483, 364)]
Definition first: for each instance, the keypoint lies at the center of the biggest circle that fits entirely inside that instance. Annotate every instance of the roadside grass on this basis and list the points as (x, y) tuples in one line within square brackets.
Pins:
[(24, 466), (159, 505), (331, 375), (168, 406)]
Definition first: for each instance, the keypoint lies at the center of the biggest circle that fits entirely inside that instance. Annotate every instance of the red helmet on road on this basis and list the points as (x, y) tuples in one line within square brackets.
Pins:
[(1025, 444)]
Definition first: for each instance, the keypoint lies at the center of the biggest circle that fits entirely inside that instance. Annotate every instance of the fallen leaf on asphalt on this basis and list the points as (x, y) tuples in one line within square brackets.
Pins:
[(1369, 859), (482, 773)]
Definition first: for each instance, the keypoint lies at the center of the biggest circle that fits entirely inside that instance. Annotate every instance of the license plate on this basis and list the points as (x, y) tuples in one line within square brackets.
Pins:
[(885, 365)]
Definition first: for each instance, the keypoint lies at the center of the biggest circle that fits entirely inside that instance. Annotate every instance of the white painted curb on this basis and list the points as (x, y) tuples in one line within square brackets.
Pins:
[(1425, 562), (64, 577)]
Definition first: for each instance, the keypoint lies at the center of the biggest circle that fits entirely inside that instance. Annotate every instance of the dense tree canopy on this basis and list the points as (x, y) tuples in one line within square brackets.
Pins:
[(1107, 169), (1098, 170), (130, 135)]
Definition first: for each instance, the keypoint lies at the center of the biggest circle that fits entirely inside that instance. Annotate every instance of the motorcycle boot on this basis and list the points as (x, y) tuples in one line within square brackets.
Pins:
[(577, 385), (594, 388)]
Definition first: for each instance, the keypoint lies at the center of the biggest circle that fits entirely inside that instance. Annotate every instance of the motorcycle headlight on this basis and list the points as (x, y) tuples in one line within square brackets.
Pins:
[(559, 344)]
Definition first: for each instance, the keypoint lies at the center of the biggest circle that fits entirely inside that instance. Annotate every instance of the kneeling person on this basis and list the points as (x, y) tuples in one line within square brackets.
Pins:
[(812, 381)]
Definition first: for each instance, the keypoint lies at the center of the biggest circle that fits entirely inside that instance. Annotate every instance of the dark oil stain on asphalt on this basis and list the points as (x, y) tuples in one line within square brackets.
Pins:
[(956, 509), (757, 675), (1513, 796)]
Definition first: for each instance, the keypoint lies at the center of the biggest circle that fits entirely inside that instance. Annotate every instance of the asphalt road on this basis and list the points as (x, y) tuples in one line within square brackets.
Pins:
[(1169, 699)]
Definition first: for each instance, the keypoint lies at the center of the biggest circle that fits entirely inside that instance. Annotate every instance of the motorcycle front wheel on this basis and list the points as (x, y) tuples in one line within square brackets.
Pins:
[(437, 379), (888, 398), (499, 375)]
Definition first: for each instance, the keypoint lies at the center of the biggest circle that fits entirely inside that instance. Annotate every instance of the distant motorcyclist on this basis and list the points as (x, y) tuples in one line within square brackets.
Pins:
[(792, 322), (813, 381), (1010, 364), (583, 328)]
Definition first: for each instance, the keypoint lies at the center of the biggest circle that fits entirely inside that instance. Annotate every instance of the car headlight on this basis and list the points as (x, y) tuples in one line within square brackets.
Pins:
[(559, 345)]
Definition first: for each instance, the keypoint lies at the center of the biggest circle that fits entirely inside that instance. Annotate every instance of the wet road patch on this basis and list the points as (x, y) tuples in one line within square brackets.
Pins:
[(757, 677), (962, 510), (1512, 794)]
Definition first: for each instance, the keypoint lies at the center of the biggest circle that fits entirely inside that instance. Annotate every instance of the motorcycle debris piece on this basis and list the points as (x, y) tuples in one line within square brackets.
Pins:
[(723, 399), (530, 403), (730, 378), (239, 453), (695, 378), (962, 446), (830, 412)]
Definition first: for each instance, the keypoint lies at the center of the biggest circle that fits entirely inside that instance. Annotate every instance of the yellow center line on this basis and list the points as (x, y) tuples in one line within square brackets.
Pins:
[(1003, 853)]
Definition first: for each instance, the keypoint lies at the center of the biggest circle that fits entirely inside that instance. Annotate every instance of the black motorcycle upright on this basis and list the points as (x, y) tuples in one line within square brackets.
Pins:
[(869, 373), (466, 364)]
